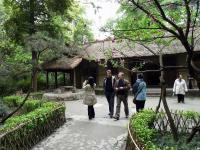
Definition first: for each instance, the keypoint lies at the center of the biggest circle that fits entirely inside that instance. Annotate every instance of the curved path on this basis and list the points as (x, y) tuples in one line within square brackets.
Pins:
[(102, 133)]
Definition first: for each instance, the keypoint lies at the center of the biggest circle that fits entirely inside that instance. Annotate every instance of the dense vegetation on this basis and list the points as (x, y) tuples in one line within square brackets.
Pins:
[(148, 137), (33, 32), (39, 119), (160, 23)]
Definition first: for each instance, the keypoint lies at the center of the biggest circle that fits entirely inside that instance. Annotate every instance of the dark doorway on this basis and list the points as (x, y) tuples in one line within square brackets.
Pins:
[(152, 78)]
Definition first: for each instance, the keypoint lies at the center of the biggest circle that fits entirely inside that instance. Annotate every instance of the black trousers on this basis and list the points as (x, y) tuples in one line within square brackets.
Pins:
[(139, 105), (110, 96), (180, 98), (91, 113)]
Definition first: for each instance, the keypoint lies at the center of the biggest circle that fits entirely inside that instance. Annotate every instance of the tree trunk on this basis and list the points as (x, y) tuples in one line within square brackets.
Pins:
[(34, 53), (34, 71), (163, 97), (194, 70), (193, 133)]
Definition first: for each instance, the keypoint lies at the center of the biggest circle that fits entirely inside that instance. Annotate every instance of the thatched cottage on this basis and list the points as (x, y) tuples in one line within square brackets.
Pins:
[(98, 56)]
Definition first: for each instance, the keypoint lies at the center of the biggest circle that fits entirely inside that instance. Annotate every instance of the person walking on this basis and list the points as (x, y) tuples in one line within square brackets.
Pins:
[(180, 87), (122, 87), (108, 84), (90, 97), (139, 91)]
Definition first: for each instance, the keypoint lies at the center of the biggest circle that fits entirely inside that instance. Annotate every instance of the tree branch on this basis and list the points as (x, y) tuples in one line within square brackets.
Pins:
[(18, 108), (155, 19), (164, 16), (194, 24), (188, 17), (194, 131), (148, 48)]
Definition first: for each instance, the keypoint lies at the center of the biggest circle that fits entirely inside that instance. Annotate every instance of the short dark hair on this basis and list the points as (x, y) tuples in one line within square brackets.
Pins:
[(91, 81), (140, 76)]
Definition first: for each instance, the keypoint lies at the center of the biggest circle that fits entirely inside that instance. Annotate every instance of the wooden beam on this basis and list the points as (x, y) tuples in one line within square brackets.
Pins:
[(74, 80), (71, 78)]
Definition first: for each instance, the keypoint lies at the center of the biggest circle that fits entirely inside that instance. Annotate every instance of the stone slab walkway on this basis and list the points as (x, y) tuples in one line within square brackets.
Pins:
[(102, 133)]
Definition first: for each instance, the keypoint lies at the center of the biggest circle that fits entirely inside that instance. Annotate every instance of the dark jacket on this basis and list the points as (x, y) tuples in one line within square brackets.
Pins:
[(113, 83), (126, 86)]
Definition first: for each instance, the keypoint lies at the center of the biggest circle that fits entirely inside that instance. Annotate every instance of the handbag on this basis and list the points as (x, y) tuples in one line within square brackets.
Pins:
[(134, 100)]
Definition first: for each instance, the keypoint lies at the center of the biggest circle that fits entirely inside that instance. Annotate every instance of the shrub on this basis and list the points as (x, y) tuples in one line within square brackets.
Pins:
[(140, 126), (23, 131), (148, 138)]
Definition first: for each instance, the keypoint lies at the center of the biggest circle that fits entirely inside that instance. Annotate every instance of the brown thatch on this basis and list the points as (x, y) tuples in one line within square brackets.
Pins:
[(62, 64), (124, 48)]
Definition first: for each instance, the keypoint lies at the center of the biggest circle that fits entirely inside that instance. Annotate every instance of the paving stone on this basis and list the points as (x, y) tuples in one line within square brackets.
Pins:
[(102, 133)]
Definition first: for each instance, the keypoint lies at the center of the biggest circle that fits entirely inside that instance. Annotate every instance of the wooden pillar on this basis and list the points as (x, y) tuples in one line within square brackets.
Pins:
[(71, 77), (47, 79), (74, 80), (56, 79), (97, 75), (64, 79)]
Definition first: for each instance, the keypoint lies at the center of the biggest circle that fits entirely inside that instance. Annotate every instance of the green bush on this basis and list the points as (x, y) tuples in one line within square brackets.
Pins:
[(140, 127), (24, 131), (14, 101), (150, 139), (9, 85), (36, 109)]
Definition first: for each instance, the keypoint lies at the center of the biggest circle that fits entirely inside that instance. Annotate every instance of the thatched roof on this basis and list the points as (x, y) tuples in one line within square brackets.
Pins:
[(62, 64), (124, 48)]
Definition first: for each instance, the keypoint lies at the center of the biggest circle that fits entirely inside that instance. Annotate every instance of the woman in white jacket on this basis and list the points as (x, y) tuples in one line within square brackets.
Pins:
[(90, 97), (180, 87)]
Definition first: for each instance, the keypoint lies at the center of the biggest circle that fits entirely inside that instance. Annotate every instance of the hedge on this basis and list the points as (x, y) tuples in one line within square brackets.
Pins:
[(21, 132), (145, 135)]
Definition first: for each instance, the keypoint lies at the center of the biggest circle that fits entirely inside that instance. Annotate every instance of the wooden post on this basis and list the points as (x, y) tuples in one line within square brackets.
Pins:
[(74, 80), (71, 77), (64, 79), (56, 79), (97, 75), (47, 79)]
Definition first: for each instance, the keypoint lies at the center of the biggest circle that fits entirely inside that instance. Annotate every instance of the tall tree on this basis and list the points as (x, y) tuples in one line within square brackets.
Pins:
[(26, 18), (149, 21)]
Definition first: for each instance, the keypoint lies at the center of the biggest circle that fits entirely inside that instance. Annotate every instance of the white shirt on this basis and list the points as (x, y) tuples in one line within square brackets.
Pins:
[(180, 87)]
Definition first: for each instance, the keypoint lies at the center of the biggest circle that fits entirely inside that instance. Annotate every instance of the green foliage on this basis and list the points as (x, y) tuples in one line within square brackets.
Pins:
[(151, 139), (36, 110), (140, 126), (15, 101), (135, 25), (46, 27), (55, 18), (13, 82), (28, 17), (3, 108)]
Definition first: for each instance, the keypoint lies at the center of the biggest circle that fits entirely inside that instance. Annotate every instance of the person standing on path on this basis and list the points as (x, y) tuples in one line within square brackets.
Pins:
[(122, 87), (90, 97), (140, 92), (180, 87), (108, 85)]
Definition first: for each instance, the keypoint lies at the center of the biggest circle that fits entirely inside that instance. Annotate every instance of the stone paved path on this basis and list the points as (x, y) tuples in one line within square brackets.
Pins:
[(102, 133)]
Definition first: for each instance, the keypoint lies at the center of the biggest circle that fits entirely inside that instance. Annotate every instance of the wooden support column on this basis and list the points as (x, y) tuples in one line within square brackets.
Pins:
[(71, 77), (47, 80), (74, 80), (97, 75), (64, 79), (56, 79)]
